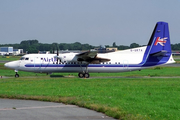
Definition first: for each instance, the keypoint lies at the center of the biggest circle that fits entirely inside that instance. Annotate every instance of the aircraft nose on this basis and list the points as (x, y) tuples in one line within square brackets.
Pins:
[(6, 65), (12, 65)]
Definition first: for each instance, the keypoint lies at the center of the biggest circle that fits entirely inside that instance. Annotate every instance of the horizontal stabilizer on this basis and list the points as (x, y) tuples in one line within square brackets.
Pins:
[(160, 53)]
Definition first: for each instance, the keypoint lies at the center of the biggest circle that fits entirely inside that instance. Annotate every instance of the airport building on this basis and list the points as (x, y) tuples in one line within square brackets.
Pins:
[(17, 51), (10, 51), (44, 52), (6, 50), (105, 50)]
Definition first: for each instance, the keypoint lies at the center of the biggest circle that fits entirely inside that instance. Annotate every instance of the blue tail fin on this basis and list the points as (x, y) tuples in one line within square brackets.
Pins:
[(158, 50)]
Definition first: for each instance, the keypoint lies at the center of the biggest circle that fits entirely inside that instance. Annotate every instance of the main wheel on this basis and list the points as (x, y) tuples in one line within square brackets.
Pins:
[(16, 75), (86, 75), (81, 75)]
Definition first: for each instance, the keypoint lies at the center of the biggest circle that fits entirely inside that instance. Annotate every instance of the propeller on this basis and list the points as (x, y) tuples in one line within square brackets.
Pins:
[(53, 50), (55, 45), (57, 54)]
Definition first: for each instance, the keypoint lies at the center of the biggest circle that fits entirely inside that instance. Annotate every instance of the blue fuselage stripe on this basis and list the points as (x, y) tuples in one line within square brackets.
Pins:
[(90, 65)]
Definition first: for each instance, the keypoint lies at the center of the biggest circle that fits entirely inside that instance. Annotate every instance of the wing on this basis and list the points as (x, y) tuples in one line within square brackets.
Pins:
[(91, 57)]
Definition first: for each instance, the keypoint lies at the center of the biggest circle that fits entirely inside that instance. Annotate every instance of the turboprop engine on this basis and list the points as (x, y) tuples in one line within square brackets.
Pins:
[(67, 57)]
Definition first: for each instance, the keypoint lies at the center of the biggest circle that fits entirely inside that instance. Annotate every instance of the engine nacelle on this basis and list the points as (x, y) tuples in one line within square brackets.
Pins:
[(67, 57)]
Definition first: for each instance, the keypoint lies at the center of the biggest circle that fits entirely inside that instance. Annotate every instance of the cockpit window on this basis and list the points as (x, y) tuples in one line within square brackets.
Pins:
[(22, 58), (26, 58)]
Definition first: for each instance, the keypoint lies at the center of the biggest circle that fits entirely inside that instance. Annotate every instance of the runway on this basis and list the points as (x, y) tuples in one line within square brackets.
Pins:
[(12, 109), (1, 61)]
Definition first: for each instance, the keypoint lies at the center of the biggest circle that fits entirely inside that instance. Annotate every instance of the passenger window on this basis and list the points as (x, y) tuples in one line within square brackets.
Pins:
[(26, 58)]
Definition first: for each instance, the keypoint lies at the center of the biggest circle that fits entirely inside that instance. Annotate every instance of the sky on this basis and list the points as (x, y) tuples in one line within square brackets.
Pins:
[(95, 22)]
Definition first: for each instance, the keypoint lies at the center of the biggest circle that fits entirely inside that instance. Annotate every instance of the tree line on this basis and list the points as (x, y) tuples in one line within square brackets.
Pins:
[(33, 46)]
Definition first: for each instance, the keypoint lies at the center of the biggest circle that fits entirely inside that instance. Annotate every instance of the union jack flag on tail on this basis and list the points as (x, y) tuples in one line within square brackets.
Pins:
[(160, 41)]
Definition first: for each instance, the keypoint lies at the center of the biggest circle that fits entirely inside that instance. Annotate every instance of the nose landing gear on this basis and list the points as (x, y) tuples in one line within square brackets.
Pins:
[(16, 75)]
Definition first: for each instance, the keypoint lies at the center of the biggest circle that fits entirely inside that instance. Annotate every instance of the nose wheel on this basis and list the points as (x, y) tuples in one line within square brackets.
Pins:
[(16, 75)]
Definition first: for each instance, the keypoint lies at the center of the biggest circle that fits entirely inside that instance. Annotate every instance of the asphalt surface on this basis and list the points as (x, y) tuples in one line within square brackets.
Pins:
[(12, 109), (4, 61), (173, 65)]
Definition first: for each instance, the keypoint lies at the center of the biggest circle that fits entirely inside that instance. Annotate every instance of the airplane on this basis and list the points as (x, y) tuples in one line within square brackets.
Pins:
[(157, 52)]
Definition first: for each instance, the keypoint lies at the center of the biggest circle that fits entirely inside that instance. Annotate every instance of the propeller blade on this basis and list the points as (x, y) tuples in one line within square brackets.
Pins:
[(57, 53), (53, 50)]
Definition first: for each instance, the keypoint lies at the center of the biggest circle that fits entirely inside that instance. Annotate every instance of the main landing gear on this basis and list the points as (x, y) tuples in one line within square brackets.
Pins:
[(83, 75)]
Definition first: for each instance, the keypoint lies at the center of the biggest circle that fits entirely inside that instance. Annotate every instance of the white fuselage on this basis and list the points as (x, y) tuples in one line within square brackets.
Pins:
[(120, 61)]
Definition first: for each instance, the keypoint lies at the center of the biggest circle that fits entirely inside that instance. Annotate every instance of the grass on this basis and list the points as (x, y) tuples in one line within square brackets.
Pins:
[(9, 58), (124, 98)]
